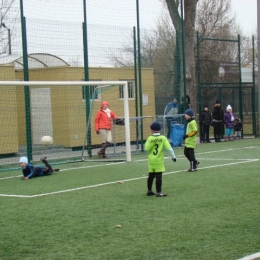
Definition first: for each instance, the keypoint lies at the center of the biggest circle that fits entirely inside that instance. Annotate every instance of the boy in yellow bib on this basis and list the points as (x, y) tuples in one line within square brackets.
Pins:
[(191, 140), (155, 146)]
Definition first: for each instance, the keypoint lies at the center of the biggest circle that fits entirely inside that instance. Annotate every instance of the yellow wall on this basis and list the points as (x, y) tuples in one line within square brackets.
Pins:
[(68, 106), (8, 115)]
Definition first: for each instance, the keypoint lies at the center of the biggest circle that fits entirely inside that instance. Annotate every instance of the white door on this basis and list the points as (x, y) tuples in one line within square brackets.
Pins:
[(41, 113)]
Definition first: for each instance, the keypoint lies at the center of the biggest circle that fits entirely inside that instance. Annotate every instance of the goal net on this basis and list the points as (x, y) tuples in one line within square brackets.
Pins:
[(66, 111)]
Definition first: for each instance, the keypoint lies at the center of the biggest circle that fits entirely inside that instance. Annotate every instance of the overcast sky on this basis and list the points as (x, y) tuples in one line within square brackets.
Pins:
[(55, 26), (246, 14), (122, 12)]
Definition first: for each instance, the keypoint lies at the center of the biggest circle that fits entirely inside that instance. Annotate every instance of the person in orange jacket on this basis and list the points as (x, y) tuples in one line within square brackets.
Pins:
[(103, 126)]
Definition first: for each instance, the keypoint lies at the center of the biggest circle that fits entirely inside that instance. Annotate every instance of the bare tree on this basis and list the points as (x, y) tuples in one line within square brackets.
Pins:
[(8, 19), (190, 7), (247, 51), (215, 20), (212, 19), (157, 51)]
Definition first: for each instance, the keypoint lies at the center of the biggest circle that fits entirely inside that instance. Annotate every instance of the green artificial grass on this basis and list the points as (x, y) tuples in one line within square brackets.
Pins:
[(209, 214)]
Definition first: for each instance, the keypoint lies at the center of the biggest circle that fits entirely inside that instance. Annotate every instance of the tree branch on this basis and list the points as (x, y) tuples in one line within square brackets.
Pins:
[(174, 14)]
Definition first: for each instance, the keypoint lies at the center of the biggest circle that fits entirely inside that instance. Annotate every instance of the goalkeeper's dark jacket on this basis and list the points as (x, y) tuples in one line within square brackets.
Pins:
[(30, 171)]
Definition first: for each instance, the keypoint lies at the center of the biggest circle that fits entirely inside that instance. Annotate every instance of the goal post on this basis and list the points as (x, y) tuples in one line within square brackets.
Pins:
[(57, 109)]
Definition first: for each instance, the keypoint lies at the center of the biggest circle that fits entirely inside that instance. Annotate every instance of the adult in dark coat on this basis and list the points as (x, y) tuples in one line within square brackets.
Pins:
[(205, 125), (217, 120)]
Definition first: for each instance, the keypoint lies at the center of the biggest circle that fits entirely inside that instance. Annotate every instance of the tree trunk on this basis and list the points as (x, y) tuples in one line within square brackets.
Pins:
[(189, 27)]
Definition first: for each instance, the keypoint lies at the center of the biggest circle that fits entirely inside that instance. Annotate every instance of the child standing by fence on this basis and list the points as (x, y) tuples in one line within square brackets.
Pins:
[(229, 120), (238, 127)]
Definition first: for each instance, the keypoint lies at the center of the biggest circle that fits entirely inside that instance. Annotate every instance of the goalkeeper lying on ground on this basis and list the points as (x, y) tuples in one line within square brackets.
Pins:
[(30, 171)]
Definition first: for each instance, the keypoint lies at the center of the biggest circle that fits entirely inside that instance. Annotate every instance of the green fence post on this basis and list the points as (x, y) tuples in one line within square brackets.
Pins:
[(26, 88), (86, 78)]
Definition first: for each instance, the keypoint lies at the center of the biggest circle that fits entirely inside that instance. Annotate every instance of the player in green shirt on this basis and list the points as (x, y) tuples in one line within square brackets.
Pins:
[(155, 146), (191, 140)]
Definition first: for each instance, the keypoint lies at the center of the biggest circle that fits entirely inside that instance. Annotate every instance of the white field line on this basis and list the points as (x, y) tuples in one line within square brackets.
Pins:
[(251, 257), (143, 160), (63, 170), (119, 181)]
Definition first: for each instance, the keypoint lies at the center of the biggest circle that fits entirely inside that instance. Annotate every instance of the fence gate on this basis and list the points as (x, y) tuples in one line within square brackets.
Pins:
[(221, 76)]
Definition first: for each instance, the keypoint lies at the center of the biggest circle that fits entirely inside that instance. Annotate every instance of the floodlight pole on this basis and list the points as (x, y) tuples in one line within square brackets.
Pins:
[(140, 73)]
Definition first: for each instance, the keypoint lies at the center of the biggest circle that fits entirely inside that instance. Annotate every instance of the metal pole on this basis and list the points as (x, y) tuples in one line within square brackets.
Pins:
[(183, 55), (136, 94), (140, 73), (240, 79), (198, 81), (85, 42), (86, 78), (253, 89), (9, 41), (258, 51), (26, 88)]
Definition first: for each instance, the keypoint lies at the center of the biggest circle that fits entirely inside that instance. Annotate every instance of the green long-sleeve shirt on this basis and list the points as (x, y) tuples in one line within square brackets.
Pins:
[(155, 146), (191, 133)]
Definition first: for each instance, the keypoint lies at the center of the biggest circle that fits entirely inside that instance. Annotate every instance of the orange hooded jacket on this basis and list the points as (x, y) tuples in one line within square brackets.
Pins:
[(102, 120)]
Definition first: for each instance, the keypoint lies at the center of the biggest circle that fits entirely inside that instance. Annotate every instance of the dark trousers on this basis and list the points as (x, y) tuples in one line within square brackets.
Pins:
[(217, 130), (205, 133), (158, 183), (190, 155), (48, 170)]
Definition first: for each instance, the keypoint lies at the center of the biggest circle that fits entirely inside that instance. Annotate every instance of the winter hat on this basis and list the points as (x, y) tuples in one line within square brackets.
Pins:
[(189, 112), (174, 98), (206, 107), (104, 103), (218, 102), (229, 107), (155, 126), (23, 160)]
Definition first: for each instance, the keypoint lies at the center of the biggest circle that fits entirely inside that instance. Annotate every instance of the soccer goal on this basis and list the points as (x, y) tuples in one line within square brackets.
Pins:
[(64, 110)]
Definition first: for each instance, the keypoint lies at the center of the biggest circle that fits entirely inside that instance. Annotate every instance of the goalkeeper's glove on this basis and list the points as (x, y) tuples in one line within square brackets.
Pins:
[(184, 137), (174, 159), (97, 132)]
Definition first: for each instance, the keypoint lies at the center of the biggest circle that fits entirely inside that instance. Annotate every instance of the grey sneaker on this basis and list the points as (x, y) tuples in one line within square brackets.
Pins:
[(160, 194)]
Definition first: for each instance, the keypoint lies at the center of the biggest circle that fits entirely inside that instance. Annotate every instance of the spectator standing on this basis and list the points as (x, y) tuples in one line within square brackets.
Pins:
[(170, 111), (217, 120), (229, 120), (205, 125)]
